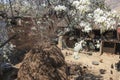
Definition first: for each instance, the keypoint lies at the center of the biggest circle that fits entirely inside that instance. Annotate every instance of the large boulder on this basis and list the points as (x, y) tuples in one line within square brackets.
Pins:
[(44, 62)]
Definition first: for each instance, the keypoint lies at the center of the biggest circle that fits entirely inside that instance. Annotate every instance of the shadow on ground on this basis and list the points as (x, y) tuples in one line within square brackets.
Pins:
[(90, 76)]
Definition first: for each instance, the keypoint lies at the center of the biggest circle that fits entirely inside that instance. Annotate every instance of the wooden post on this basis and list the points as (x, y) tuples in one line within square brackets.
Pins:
[(114, 47), (101, 47), (60, 42), (102, 44), (118, 33)]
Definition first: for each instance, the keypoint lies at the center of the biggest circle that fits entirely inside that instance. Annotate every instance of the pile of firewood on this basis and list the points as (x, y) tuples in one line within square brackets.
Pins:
[(44, 62)]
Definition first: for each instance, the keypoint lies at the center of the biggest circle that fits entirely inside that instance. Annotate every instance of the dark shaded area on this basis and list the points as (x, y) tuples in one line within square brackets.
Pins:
[(108, 35), (108, 44), (70, 38), (79, 72), (118, 48), (3, 14), (9, 74), (117, 66), (90, 76), (17, 57)]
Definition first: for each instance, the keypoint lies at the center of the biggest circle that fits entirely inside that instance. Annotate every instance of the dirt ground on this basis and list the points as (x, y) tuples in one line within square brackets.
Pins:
[(105, 62)]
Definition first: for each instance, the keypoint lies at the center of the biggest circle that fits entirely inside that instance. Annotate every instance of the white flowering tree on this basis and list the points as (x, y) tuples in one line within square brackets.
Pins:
[(86, 14), (94, 12), (83, 13)]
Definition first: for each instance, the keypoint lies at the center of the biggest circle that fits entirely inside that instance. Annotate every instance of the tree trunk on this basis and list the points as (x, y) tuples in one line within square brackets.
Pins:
[(60, 42)]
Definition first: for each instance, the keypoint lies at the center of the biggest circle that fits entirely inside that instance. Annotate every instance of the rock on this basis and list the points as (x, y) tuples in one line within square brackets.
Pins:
[(66, 54), (111, 72), (70, 53), (112, 66), (95, 63), (111, 78), (102, 71), (101, 60), (89, 53)]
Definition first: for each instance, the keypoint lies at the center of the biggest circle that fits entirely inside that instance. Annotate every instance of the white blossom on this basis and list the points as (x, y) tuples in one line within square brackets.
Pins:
[(85, 2), (82, 6), (87, 29), (90, 15), (33, 28), (100, 19), (82, 24), (105, 19), (12, 46), (86, 26), (72, 12), (38, 22), (43, 4), (71, 1), (98, 11), (60, 8), (76, 4)]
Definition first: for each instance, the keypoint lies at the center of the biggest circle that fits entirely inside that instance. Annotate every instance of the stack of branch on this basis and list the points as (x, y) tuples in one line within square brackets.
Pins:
[(43, 62)]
